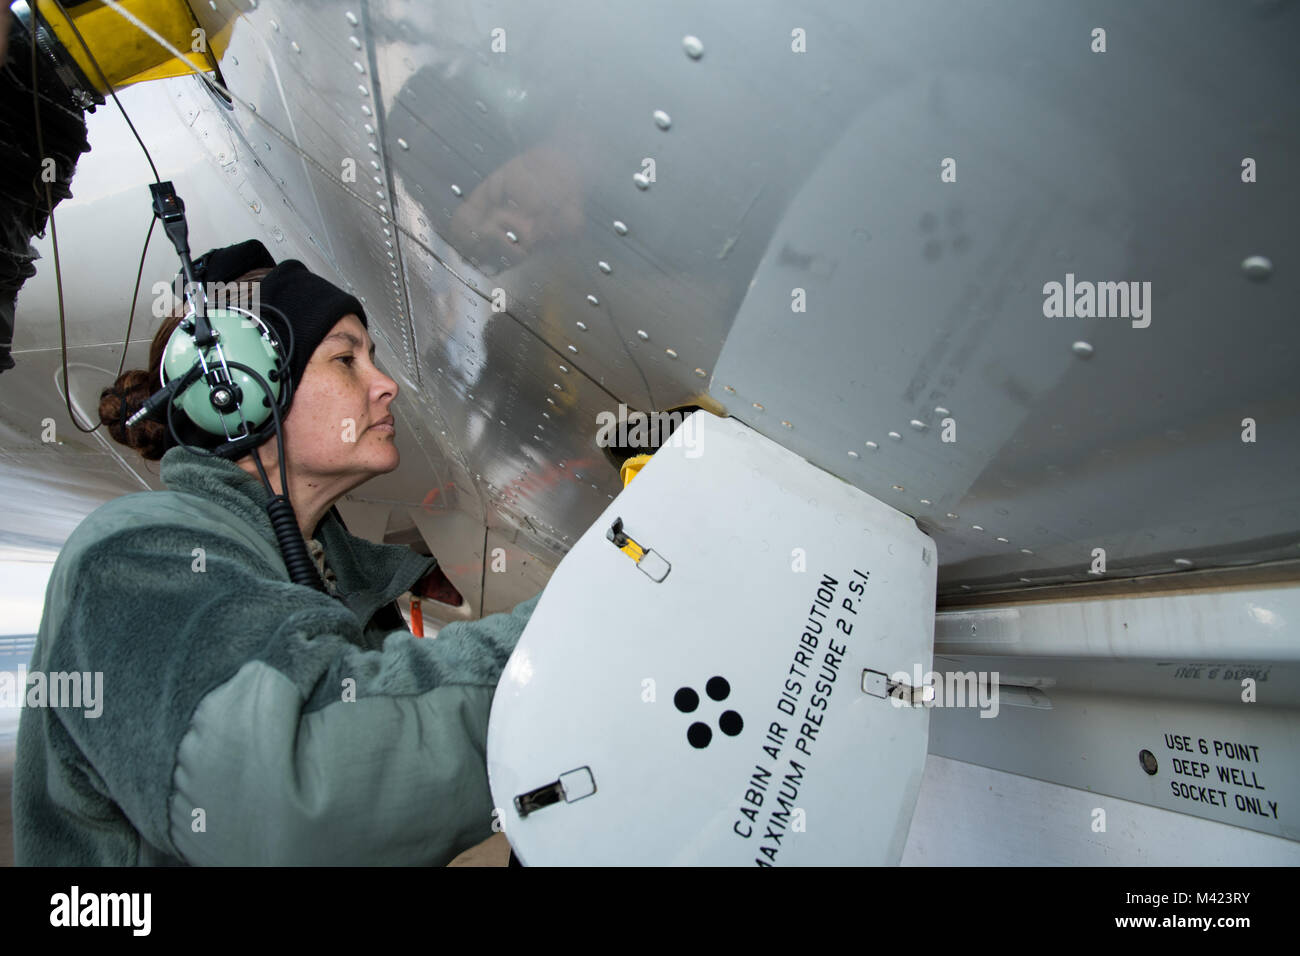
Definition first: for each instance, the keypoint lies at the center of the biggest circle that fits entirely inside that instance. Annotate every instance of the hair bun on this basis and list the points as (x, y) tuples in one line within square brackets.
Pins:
[(123, 399)]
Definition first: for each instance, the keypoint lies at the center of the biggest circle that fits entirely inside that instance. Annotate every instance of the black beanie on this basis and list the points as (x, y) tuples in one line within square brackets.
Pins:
[(312, 306), (231, 262)]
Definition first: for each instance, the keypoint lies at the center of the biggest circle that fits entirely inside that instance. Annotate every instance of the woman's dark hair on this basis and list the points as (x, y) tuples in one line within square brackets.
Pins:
[(124, 397)]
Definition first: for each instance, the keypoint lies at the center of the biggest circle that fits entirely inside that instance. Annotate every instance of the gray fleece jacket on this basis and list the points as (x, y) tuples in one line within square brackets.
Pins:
[(246, 719)]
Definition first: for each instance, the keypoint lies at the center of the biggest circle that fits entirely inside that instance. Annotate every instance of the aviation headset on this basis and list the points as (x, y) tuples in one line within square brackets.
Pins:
[(232, 372)]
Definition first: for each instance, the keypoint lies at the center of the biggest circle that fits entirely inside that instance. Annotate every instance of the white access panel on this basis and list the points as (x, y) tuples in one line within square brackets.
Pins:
[(706, 705)]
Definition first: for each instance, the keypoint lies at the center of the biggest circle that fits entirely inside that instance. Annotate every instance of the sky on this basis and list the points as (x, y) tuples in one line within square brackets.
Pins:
[(22, 594)]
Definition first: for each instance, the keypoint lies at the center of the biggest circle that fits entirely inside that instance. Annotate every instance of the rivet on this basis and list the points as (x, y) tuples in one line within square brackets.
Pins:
[(564, 368), (976, 527), (951, 515), (872, 445), (573, 349), (355, 42), (1082, 349), (620, 227), (1025, 581), (693, 47), (293, 45), (853, 454), (758, 406), (671, 353), (926, 501), (918, 424), (1182, 562), (403, 143), (373, 147), (582, 326), (252, 107), (700, 372), (787, 425), (642, 181), (895, 436), (662, 119), (1025, 551), (511, 236), (363, 91), (365, 109), (898, 487), (360, 68), (1004, 540), (455, 189), (730, 389), (352, 17), (1257, 267), (593, 300), (275, 26), (643, 334), (940, 410), (604, 267)]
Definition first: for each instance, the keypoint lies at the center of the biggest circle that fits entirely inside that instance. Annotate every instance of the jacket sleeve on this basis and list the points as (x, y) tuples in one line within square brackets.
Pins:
[(240, 724)]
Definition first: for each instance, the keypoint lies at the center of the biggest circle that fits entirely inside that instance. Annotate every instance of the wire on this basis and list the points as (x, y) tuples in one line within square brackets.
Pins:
[(54, 233), (166, 45), (130, 316), (54, 228), (293, 547), (153, 221), (108, 86)]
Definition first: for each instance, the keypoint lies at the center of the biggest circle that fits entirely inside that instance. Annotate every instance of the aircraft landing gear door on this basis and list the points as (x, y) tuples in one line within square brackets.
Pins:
[(715, 674)]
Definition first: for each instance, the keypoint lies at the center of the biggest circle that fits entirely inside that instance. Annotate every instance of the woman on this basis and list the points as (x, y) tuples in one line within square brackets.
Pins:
[(244, 718)]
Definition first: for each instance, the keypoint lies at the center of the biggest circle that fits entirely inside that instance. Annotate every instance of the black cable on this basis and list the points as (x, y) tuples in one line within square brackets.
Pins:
[(49, 204), (107, 85), (130, 316), (284, 522), (54, 232)]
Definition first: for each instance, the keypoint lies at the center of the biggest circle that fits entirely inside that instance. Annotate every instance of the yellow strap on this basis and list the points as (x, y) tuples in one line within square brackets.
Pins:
[(124, 52)]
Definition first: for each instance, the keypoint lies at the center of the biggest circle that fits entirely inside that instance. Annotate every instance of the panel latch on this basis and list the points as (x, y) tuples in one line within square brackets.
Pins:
[(572, 786), (879, 684), (652, 564)]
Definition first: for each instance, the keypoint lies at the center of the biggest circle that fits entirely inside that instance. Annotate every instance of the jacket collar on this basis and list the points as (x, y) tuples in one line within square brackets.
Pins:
[(370, 575)]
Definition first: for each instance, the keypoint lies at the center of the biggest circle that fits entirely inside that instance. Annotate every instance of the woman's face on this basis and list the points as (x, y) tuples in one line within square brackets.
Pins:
[(339, 427)]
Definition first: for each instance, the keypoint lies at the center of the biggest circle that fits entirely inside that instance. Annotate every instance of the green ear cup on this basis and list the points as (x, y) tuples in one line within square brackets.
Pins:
[(241, 339)]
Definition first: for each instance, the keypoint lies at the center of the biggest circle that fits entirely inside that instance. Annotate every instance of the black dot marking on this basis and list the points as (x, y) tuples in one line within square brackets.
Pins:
[(699, 735), (686, 700), (730, 723), (718, 688)]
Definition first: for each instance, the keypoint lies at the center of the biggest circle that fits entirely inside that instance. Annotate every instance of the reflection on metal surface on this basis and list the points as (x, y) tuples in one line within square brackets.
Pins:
[(472, 174)]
